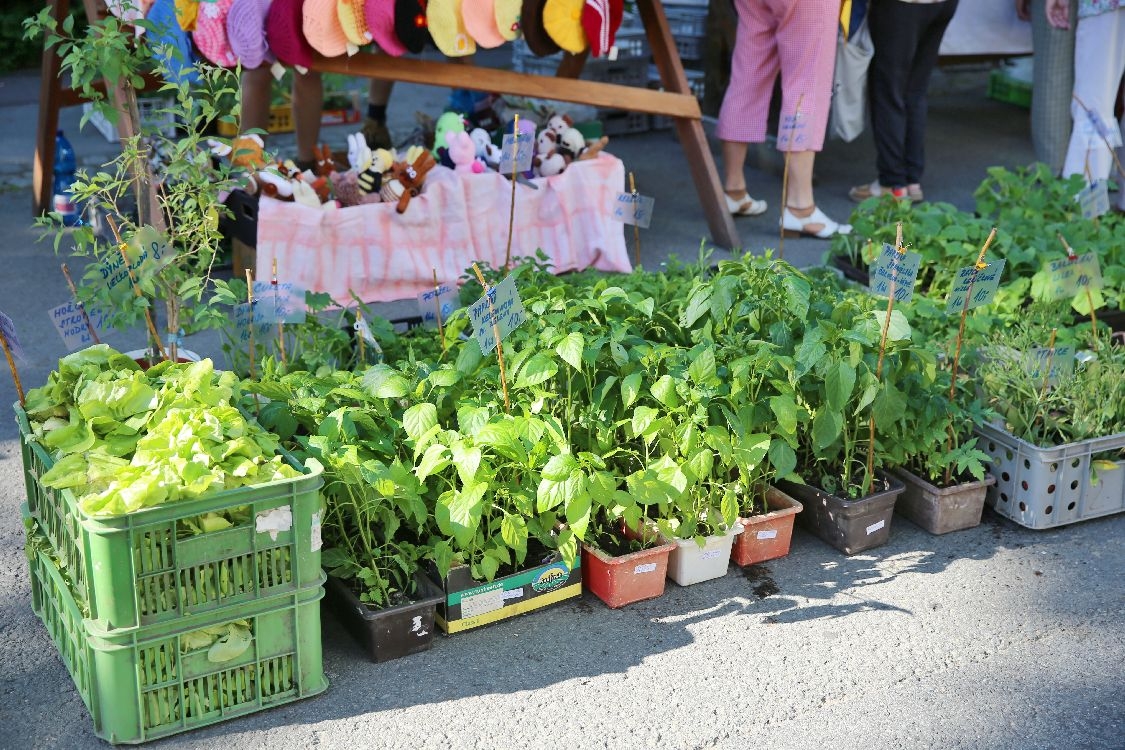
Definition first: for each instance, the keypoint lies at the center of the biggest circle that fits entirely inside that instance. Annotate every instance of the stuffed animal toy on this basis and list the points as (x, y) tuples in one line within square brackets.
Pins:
[(408, 179), (548, 161), (559, 123), (371, 179), (359, 153), (463, 152), (246, 153), (571, 143), (487, 151), (448, 123)]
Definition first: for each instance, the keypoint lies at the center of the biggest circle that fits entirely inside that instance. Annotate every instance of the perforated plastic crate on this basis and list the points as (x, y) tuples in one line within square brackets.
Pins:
[(627, 70), (616, 122), (1042, 488), (147, 682), (145, 568), (687, 20), (690, 47)]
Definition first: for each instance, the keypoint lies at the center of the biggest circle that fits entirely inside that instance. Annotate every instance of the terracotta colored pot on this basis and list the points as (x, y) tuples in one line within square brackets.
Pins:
[(618, 581), (767, 536)]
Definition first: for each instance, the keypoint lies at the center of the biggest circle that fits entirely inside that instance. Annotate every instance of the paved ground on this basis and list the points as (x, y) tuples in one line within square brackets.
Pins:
[(988, 639)]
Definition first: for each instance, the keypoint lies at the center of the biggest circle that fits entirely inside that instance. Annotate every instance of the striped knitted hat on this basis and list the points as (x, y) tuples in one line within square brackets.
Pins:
[(353, 21), (601, 19)]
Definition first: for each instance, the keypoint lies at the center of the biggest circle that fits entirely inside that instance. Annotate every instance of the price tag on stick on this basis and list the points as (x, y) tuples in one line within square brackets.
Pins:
[(1093, 200), (516, 153), (443, 297), (1060, 360), (633, 208), (283, 302), (8, 331), (77, 328), (1069, 276), (978, 285), (500, 307), (895, 273), (252, 312)]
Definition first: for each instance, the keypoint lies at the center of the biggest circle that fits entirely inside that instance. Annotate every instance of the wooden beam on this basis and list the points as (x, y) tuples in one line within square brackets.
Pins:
[(43, 169), (432, 73)]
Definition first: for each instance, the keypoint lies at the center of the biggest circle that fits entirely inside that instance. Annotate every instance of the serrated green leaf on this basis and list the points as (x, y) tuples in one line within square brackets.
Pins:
[(419, 419), (838, 384), (466, 460), (784, 408), (538, 369), (702, 368), (571, 348)]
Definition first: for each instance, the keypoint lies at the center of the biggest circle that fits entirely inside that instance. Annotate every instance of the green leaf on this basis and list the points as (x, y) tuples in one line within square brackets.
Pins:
[(571, 348), (419, 419), (383, 381), (434, 460), (630, 389), (560, 467), (513, 530), (466, 460), (838, 384), (664, 391), (785, 409), (782, 458), (900, 327), (643, 417), (826, 427), (463, 510), (553, 493), (540, 368), (702, 368), (578, 514)]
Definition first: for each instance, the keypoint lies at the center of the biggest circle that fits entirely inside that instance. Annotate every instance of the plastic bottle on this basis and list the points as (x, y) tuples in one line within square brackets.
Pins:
[(65, 164)]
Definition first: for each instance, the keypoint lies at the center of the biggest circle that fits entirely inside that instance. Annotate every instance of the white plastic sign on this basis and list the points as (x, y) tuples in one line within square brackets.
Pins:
[(895, 273), (443, 297), (977, 285), (8, 331), (644, 568), (634, 208), (508, 309), (1069, 276), (283, 302), (518, 151), (71, 324), (875, 527), (1094, 200)]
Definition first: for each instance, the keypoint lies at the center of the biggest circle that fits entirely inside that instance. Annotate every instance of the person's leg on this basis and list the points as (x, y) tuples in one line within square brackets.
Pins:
[(745, 109), (1099, 62), (938, 16), (256, 87), (1053, 83), (894, 34), (375, 130), (308, 103)]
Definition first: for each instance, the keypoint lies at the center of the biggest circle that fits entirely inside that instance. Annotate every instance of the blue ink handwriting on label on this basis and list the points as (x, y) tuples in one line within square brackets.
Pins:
[(508, 309), (283, 302), (978, 285), (895, 271), (443, 297), (71, 324), (634, 208), (522, 157), (1068, 277)]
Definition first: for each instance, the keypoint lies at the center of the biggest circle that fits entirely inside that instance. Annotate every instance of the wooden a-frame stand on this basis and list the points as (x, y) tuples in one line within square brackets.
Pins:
[(676, 101)]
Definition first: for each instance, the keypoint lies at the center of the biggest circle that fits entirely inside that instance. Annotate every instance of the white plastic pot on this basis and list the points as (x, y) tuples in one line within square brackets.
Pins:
[(689, 563)]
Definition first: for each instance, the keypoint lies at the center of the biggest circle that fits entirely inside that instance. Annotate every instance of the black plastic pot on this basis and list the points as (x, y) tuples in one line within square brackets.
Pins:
[(851, 272), (390, 633), (850, 526)]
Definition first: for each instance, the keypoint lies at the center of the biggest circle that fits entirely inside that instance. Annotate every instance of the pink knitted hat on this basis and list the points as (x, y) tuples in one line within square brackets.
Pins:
[(322, 28), (601, 19), (480, 21), (210, 33), (381, 23), (246, 31), (283, 31)]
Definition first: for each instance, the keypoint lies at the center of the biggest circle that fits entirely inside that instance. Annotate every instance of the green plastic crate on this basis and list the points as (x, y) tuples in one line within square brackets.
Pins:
[(1004, 88), (139, 685), (133, 570)]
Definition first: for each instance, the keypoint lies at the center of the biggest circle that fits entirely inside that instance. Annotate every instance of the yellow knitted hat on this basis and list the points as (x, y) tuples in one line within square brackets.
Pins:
[(353, 21), (448, 28), (507, 14), (562, 20)]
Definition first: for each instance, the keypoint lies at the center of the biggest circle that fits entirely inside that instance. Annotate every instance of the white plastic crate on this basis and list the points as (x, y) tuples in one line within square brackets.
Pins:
[(1042, 488), (687, 20), (153, 119)]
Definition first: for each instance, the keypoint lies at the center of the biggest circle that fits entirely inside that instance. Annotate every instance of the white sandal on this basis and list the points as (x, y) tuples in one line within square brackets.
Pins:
[(794, 226), (747, 206)]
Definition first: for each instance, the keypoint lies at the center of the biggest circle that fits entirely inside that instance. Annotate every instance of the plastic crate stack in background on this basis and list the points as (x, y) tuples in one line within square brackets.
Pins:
[(687, 20)]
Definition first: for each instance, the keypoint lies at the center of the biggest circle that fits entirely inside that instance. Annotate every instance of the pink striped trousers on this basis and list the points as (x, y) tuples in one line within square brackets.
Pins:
[(798, 39)]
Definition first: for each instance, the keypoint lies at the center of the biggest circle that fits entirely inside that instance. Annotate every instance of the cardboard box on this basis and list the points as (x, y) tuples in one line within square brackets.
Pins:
[(470, 604)]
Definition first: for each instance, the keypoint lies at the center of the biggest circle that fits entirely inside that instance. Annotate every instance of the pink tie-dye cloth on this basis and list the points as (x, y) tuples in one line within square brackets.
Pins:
[(380, 255)]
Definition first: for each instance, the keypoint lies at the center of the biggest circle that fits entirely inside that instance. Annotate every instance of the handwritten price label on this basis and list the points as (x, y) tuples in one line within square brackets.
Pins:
[(1093, 200), (283, 302), (443, 297), (71, 324), (895, 273), (508, 308), (8, 331), (245, 315), (634, 209), (1061, 359), (153, 247), (516, 153), (978, 285), (1068, 277)]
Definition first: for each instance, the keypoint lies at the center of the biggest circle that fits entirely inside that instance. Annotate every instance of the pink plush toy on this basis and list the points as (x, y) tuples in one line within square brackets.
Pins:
[(463, 153)]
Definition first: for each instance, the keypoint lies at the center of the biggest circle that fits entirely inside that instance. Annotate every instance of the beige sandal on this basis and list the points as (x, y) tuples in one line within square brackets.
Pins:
[(745, 206)]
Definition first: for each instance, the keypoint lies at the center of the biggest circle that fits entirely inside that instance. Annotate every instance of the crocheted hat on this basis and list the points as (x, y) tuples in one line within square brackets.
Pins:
[(246, 32), (601, 19), (179, 63), (448, 28), (480, 22), (186, 13), (507, 13), (283, 31), (210, 33), (531, 22), (411, 25), (353, 21), (563, 21), (380, 15), (321, 24)]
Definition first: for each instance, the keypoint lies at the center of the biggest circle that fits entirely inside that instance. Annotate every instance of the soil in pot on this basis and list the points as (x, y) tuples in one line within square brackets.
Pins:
[(766, 536), (940, 510), (850, 526), (618, 575), (392, 632)]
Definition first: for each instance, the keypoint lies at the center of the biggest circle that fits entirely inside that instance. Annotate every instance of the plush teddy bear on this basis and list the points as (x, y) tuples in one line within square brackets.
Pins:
[(407, 180), (547, 161), (463, 152), (559, 123)]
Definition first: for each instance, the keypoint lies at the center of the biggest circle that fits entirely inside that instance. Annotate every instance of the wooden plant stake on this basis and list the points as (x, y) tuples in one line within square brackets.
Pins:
[(868, 478), (81, 307), (515, 171), (785, 178), (359, 330), (280, 324), (980, 266), (636, 229), (136, 289), (496, 333), (1050, 362), (250, 304), (12, 367), (437, 309), (1070, 254)]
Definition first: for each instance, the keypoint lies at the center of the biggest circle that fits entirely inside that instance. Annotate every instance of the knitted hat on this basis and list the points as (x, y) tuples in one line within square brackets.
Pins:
[(380, 15), (353, 21), (246, 32), (448, 28), (179, 64), (210, 33), (411, 25), (321, 24), (186, 13), (563, 21), (283, 31), (601, 19), (480, 22), (507, 13), (531, 22)]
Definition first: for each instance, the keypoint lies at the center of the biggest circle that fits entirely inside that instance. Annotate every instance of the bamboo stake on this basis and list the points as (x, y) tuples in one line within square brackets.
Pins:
[(869, 476), (512, 210), (496, 333), (980, 265), (280, 324), (636, 229), (359, 330), (136, 289), (250, 304), (1089, 297), (437, 309), (81, 306), (12, 367), (785, 178)]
